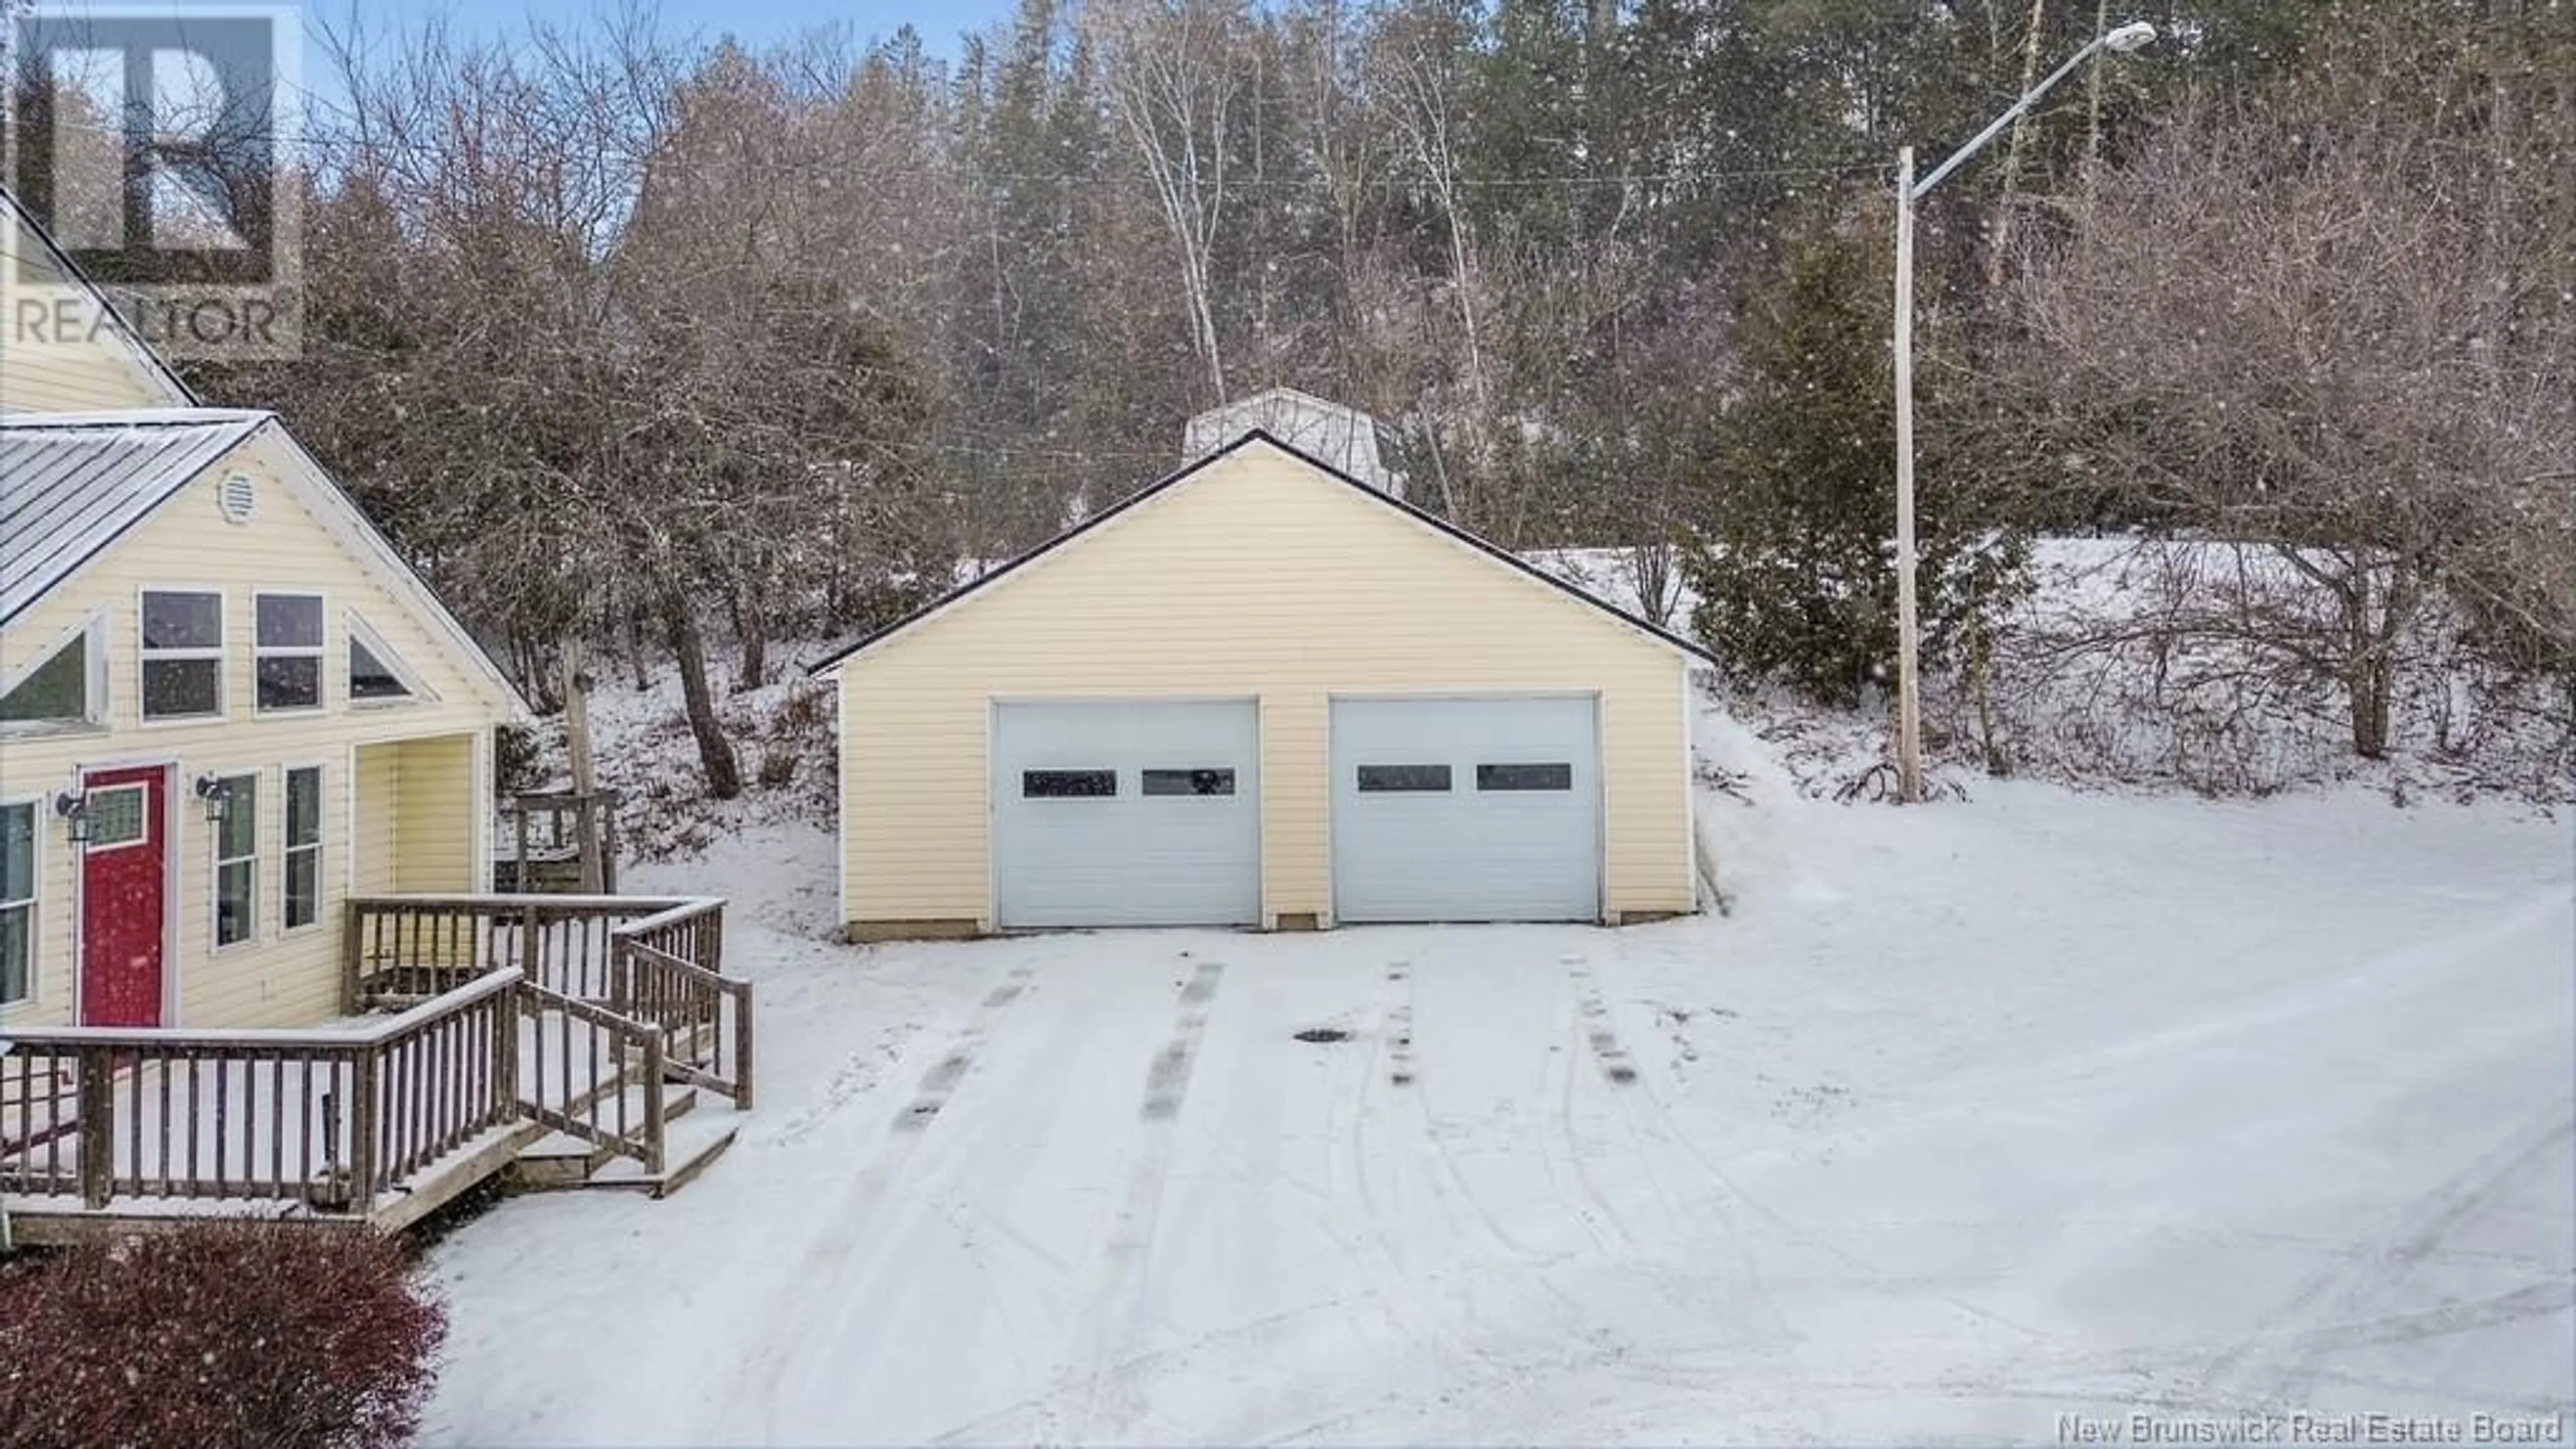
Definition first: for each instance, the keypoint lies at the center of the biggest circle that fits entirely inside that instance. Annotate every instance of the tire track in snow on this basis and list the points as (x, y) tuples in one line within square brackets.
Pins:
[(852, 1215), (1118, 1286), (1558, 1147), (1655, 1118), (1427, 1121), (1651, 1138), (1358, 1218), (1501, 1259), (2416, 1239)]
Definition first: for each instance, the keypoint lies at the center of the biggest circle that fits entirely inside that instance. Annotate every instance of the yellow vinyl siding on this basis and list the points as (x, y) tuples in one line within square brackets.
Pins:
[(434, 824), (378, 865), (1259, 577), (279, 979), (54, 357)]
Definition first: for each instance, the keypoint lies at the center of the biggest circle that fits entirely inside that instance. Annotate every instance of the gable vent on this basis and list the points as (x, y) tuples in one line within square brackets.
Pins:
[(238, 497)]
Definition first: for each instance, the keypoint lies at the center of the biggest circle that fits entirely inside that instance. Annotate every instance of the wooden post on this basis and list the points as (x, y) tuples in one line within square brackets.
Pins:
[(505, 1051), (585, 769), (365, 1113), (742, 1047), (519, 865), (353, 957), (653, 1114), (98, 1125), (1909, 722), (608, 841), (586, 845)]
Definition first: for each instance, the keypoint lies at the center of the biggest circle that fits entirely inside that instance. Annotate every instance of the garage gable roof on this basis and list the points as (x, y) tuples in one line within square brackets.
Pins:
[(1176, 480)]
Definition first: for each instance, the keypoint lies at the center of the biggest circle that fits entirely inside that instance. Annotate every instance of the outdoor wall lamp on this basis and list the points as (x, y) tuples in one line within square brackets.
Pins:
[(217, 798), (75, 813)]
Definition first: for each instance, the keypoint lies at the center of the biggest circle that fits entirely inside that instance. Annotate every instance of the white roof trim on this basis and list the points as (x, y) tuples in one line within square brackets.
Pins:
[(306, 479), (339, 514), (128, 341), (1174, 482)]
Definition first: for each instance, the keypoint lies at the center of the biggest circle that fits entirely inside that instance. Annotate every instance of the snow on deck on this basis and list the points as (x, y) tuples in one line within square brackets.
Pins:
[(1968, 1116), (239, 1136)]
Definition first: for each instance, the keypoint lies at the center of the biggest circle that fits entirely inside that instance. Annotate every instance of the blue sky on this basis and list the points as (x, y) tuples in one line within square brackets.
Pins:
[(754, 22)]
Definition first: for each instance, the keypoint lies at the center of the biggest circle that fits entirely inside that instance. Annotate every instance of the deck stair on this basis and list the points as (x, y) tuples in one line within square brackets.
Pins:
[(553, 1041)]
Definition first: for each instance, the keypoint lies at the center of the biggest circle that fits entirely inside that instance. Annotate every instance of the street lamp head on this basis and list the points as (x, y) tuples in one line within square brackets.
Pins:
[(2129, 37)]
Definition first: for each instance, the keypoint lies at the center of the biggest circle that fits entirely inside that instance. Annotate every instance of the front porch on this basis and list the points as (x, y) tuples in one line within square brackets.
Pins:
[(560, 1035)]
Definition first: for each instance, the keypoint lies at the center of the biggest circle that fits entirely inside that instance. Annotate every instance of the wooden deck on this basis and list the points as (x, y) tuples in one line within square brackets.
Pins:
[(491, 1023)]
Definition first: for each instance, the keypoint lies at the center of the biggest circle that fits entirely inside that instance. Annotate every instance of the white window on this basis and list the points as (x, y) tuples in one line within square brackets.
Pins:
[(17, 902), (376, 674), (289, 650), (117, 818), (63, 690), (183, 655), (303, 847), (237, 861)]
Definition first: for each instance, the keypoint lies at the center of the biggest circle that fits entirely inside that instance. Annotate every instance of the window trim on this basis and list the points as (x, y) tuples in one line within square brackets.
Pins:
[(216, 945), (33, 905), (91, 631), (1448, 778), (287, 849), (89, 797), (1029, 776), (360, 632), (319, 653), (1189, 776), (220, 654), (1485, 789)]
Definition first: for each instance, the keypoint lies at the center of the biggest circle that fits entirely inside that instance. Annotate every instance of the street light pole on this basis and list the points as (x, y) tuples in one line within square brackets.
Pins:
[(1909, 705)]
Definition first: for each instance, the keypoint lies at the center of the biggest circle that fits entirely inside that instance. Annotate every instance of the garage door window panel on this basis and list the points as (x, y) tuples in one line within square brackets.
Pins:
[(1404, 779), (1189, 782), (1511, 778), (1068, 784)]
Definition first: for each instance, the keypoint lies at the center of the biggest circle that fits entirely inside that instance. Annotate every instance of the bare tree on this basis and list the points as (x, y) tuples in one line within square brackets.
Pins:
[(1167, 70), (2271, 331)]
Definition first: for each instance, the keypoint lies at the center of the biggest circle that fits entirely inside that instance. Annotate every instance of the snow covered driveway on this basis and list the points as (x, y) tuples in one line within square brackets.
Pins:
[(1968, 1118)]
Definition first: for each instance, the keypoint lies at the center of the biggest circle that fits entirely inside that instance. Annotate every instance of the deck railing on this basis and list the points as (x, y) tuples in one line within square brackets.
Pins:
[(575, 1013), (660, 959), (327, 1118), (595, 1075), (667, 969)]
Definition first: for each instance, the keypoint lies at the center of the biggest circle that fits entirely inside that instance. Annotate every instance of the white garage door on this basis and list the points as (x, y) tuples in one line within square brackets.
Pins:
[(1466, 810), (1127, 813)]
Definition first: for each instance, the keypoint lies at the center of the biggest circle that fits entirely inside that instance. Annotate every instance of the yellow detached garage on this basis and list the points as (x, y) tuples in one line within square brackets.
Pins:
[(1262, 693)]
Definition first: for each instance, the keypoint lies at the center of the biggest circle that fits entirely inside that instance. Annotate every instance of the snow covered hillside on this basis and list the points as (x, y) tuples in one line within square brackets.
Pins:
[(1961, 1119), (2085, 696)]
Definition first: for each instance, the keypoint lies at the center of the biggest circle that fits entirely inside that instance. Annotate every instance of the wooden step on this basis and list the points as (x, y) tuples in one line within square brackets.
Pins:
[(687, 1150), (561, 1160)]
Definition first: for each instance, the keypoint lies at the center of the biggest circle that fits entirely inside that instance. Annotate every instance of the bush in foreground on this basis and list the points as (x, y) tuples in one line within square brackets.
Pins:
[(211, 1337)]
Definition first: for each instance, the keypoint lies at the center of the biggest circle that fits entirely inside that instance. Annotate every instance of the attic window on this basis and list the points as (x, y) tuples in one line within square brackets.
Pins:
[(238, 498), (376, 674), (62, 690)]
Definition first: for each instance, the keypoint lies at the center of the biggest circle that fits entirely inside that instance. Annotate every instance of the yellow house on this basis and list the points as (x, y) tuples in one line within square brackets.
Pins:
[(1262, 693), (226, 704)]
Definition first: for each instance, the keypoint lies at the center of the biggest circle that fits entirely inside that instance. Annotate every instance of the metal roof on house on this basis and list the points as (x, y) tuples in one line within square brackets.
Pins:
[(72, 483)]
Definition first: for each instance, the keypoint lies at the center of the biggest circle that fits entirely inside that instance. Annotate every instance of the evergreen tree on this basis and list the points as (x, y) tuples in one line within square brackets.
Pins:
[(1794, 553)]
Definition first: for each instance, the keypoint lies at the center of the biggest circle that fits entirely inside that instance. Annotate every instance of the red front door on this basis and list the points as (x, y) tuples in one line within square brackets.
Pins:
[(124, 896)]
